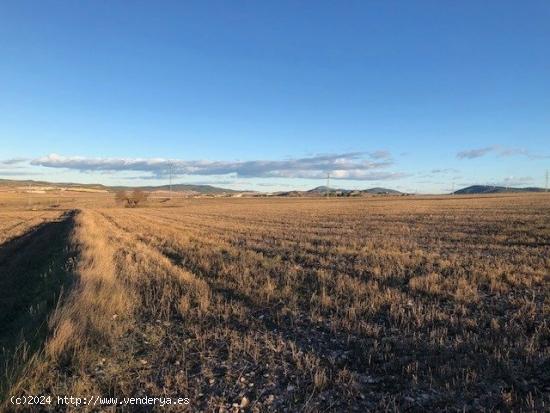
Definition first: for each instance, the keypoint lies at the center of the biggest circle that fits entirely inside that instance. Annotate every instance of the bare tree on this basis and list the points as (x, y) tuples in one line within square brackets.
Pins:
[(121, 197), (131, 200), (139, 197)]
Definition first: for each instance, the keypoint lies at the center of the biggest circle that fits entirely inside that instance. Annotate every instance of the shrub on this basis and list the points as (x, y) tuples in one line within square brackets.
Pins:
[(131, 200)]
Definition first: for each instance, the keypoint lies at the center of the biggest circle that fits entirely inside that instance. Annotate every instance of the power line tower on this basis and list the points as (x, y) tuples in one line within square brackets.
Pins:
[(328, 184), (546, 185)]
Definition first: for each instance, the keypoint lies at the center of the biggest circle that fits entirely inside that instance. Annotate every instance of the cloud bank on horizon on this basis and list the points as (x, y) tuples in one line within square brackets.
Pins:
[(368, 166), (499, 151), (378, 165)]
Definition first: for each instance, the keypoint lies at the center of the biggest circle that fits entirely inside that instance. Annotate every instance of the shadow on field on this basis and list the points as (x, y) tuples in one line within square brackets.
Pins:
[(380, 370), (35, 269)]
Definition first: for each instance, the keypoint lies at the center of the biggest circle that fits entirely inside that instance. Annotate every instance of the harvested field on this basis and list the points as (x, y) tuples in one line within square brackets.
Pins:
[(15, 223), (380, 304), (35, 267)]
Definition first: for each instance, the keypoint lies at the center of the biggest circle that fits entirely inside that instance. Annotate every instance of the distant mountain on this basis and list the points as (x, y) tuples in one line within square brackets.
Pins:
[(379, 190), (29, 182), (289, 193), (189, 189), (323, 190), (200, 189), (490, 189)]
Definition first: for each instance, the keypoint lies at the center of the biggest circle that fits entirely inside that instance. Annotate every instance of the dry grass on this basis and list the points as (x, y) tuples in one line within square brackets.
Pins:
[(35, 267), (16, 223), (309, 304)]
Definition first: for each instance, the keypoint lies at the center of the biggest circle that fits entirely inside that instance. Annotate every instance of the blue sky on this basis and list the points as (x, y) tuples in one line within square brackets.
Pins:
[(273, 95)]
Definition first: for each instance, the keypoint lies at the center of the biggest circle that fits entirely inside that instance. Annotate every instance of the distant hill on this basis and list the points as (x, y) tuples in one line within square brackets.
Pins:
[(15, 182), (53, 185), (200, 189), (490, 189), (189, 189), (379, 190), (322, 190)]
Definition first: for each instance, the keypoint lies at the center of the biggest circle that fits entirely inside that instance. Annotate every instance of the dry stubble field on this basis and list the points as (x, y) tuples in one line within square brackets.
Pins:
[(376, 304)]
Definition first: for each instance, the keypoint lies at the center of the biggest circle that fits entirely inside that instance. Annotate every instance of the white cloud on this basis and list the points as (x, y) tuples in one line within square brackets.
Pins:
[(353, 166), (516, 181), (443, 171), (12, 161), (380, 154), (499, 151), (474, 153)]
